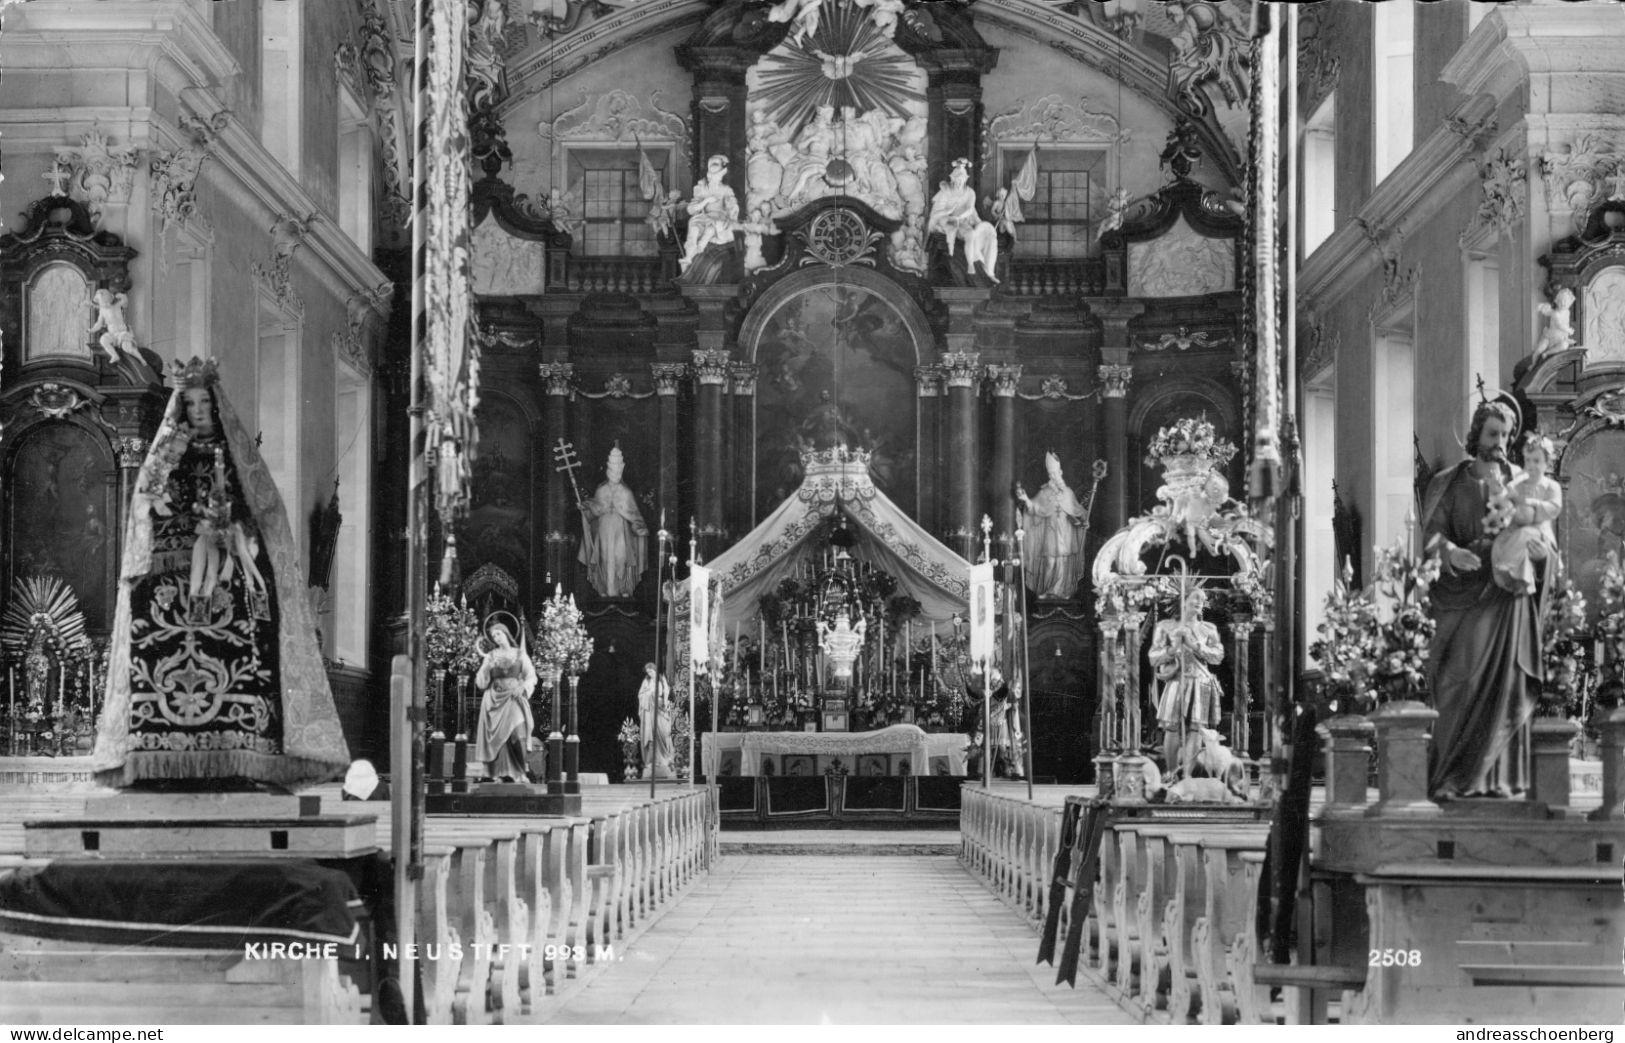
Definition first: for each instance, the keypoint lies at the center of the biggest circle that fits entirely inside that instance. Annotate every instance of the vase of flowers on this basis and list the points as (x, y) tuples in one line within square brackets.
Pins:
[(1373, 647), (631, 740), (1563, 652)]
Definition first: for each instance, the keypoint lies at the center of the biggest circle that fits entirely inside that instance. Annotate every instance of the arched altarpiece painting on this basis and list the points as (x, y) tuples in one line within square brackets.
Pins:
[(836, 351)]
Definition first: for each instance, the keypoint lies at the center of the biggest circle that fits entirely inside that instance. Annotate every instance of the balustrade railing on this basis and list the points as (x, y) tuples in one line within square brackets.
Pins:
[(634, 275), (1053, 277)]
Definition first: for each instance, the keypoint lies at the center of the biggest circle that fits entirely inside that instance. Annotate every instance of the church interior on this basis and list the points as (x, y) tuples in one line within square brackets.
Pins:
[(493, 468)]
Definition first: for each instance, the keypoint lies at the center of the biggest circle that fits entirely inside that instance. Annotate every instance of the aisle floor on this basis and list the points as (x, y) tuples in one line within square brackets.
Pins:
[(835, 939)]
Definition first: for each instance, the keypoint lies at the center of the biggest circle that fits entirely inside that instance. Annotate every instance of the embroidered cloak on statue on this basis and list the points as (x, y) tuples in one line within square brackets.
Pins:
[(214, 669)]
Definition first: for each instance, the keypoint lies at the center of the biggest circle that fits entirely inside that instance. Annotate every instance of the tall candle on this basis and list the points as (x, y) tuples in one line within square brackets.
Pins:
[(761, 645)]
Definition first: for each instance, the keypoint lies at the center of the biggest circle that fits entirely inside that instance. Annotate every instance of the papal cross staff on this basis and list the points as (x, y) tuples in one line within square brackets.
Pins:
[(564, 455)]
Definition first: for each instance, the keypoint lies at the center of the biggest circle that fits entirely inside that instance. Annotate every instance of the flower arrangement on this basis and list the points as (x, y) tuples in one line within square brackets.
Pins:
[(1192, 436), (1564, 653), (1373, 644), (1609, 629), (451, 634), (681, 729), (631, 740), (562, 642)]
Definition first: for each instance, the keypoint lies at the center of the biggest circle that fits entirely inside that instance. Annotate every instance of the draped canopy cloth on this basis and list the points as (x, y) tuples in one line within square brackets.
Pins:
[(1484, 663), (311, 747), (887, 539)]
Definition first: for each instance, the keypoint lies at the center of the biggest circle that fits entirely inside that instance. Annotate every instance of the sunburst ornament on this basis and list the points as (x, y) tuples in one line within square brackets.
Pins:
[(845, 61)]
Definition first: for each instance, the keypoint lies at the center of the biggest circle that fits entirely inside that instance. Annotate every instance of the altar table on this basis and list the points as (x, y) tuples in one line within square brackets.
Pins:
[(860, 753)]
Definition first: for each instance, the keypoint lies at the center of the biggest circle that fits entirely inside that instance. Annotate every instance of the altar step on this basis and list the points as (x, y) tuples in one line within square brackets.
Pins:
[(862, 842)]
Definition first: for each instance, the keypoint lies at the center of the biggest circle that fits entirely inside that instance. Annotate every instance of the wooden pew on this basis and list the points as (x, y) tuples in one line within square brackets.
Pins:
[(1182, 911), (1230, 896)]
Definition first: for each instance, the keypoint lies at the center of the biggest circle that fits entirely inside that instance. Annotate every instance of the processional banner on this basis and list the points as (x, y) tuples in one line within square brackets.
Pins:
[(699, 617), (981, 612)]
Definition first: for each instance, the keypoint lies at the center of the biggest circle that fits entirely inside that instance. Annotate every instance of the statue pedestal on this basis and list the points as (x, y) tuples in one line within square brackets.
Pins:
[(504, 798)]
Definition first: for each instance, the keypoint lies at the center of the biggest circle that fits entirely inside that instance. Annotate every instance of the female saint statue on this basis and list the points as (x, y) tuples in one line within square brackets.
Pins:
[(506, 679), (953, 213), (214, 672), (654, 709)]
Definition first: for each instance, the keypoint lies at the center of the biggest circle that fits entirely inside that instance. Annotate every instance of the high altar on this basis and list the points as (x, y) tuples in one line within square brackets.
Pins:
[(722, 366)]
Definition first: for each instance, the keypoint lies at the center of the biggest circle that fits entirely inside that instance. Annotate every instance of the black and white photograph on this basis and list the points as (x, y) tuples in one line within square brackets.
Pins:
[(884, 513)]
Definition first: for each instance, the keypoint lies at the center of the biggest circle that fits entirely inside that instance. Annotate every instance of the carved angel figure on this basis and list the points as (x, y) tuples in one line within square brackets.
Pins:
[(801, 14), (1559, 332), (1117, 208), (884, 15), (116, 337)]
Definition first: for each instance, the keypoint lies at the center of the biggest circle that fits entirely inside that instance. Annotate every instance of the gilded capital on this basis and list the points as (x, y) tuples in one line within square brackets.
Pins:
[(1005, 380), (711, 367), (744, 377), (558, 376), (667, 376), (928, 379), (1116, 379), (961, 368)]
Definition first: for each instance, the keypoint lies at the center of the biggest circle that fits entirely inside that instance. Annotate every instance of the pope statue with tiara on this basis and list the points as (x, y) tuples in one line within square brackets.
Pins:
[(215, 680)]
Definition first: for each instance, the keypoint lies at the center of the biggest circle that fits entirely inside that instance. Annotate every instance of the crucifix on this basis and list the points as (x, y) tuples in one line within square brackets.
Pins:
[(565, 459), (58, 177)]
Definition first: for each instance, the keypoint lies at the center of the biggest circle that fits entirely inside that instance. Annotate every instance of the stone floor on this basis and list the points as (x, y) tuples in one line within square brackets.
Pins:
[(854, 938)]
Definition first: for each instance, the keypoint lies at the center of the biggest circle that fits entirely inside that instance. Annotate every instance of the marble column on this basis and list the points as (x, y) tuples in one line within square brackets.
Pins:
[(559, 512), (742, 487), (1004, 380), (1114, 315), (961, 375), (710, 378), (1114, 380), (667, 377), (928, 383)]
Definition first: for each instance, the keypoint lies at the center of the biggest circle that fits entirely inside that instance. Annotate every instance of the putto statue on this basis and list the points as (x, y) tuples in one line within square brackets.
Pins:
[(713, 213), (214, 674), (615, 541), (953, 213), (871, 156)]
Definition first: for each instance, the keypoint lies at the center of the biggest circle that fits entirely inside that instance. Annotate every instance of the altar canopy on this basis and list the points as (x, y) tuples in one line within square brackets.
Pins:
[(837, 481)]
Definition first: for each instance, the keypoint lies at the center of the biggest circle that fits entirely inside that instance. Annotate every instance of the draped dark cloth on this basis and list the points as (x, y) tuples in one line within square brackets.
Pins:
[(1484, 666)]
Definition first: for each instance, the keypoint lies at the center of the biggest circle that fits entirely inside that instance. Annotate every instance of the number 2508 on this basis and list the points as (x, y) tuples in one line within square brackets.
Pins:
[(1396, 958)]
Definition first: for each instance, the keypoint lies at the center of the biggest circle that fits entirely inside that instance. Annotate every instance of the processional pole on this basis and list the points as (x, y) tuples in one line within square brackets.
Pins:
[(407, 793), (693, 682), (1018, 571), (987, 679), (661, 536)]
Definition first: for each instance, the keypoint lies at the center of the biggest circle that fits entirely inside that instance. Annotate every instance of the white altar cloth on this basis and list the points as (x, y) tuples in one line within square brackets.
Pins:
[(918, 744)]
